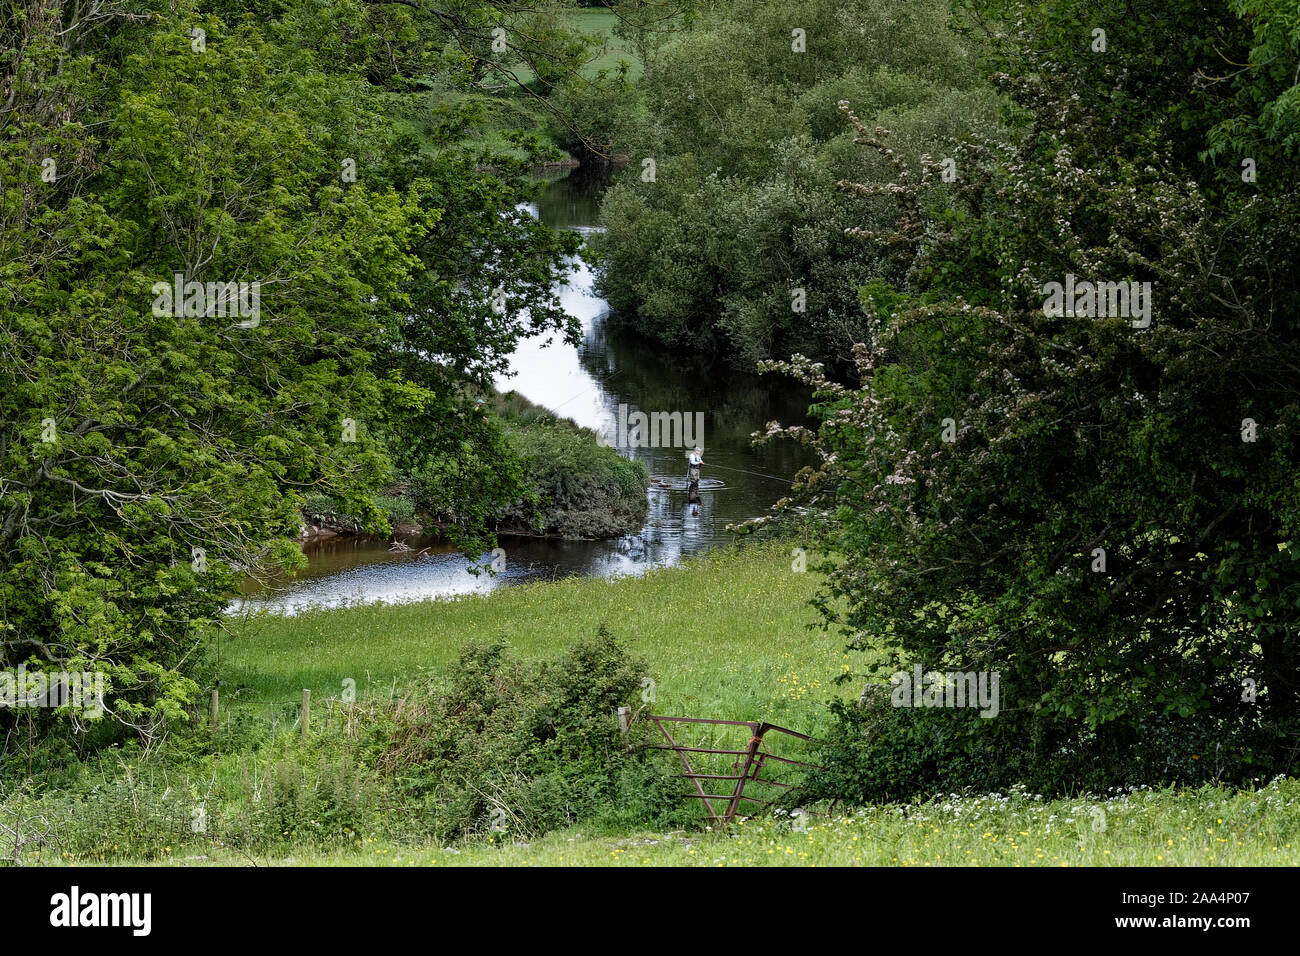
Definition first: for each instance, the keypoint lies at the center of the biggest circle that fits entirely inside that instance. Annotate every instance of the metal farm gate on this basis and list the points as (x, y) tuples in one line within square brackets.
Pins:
[(749, 764)]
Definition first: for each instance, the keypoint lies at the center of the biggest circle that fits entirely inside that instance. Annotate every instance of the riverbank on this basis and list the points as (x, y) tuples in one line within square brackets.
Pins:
[(591, 503), (727, 635), (576, 489), (579, 488)]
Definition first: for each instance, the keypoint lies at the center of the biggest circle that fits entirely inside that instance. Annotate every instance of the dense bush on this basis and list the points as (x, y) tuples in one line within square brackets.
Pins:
[(878, 753), (577, 487), (527, 747), (500, 745), (584, 490), (558, 479)]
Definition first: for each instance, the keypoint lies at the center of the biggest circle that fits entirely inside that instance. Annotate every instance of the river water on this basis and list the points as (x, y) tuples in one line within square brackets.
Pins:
[(611, 367)]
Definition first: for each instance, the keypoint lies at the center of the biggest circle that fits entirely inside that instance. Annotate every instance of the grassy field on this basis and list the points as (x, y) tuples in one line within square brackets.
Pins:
[(608, 53), (615, 51), (727, 636), (1210, 827)]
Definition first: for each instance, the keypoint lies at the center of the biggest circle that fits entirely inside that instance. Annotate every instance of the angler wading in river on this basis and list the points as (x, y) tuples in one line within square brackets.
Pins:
[(693, 462)]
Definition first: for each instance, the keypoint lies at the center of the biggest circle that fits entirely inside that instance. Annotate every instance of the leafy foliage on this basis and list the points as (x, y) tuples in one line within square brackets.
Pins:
[(977, 551), (529, 747), (748, 146), (580, 489), (148, 458)]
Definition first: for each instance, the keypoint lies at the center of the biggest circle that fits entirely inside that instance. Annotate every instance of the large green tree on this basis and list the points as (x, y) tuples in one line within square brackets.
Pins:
[(149, 456), (734, 245), (1101, 509)]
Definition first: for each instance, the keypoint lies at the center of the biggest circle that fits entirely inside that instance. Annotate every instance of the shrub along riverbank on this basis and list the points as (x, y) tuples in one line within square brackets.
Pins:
[(573, 486), (579, 488)]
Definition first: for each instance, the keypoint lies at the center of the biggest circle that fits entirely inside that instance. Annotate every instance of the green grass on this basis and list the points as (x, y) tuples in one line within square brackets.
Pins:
[(1208, 827), (727, 636), (600, 23), (608, 53)]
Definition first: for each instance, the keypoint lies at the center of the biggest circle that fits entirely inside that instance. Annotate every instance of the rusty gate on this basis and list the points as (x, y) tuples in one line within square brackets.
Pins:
[(749, 764)]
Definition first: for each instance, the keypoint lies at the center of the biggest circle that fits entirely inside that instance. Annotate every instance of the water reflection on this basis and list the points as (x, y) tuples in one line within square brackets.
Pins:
[(611, 366)]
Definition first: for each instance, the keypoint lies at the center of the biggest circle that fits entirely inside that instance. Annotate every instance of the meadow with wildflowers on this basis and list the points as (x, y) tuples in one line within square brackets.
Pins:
[(728, 635), (1157, 828), (769, 665)]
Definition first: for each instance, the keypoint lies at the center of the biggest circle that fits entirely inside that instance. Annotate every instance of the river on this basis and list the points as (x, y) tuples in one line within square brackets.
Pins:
[(588, 383)]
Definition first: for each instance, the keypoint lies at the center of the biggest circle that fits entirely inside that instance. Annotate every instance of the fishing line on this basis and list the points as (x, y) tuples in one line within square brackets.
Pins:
[(598, 383), (757, 474)]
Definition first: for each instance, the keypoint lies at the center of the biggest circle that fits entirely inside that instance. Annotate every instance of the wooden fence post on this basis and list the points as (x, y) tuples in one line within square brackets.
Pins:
[(212, 714), (306, 712)]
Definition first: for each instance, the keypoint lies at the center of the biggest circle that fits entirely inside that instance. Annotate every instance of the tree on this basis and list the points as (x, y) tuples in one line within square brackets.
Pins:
[(151, 444), (735, 246), (230, 278), (1101, 509)]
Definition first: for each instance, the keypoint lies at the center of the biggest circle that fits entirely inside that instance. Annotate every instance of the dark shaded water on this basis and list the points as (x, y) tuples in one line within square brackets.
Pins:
[(611, 367)]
